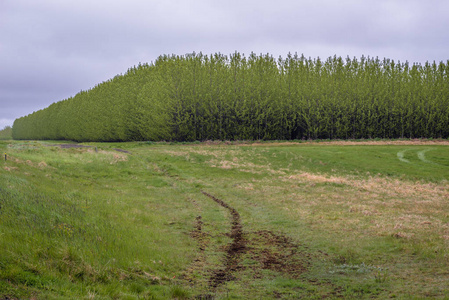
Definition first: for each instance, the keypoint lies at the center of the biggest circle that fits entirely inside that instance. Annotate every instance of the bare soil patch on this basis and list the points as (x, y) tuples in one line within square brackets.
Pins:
[(234, 251), (278, 253), (266, 249)]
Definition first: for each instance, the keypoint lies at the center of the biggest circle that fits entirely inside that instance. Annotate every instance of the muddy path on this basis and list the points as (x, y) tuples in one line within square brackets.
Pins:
[(234, 250), (265, 250)]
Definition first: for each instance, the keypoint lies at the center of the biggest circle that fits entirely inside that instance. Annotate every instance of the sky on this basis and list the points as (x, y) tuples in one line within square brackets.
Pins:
[(51, 49)]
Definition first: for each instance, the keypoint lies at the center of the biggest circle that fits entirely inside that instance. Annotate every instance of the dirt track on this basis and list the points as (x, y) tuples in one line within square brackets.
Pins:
[(271, 251), (233, 251)]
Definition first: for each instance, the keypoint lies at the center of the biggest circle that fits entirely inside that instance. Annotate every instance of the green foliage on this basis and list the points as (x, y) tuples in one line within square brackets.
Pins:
[(6, 133), (219, 97)]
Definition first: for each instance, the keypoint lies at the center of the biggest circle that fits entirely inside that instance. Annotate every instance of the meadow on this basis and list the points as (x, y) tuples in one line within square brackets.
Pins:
[(224, 220)]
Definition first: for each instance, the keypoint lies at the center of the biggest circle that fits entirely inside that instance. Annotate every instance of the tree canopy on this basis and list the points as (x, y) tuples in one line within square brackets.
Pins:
[(233, 97)]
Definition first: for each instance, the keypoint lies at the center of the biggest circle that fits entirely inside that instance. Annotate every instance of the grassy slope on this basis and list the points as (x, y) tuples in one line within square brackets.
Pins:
[(357, 220)]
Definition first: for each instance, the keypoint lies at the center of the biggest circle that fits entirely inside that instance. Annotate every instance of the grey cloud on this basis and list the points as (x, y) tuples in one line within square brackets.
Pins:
[(51, 49)]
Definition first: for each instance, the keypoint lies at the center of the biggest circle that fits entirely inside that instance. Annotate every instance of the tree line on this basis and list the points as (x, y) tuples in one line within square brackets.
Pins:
[(233, 97), (6, 133)]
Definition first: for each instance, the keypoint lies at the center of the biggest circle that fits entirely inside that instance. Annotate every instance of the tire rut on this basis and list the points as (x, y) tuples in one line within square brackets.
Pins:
[(234, 251), (250, 252)]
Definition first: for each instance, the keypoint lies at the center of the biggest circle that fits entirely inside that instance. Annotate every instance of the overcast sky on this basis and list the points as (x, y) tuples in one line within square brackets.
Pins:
[(52, 49)]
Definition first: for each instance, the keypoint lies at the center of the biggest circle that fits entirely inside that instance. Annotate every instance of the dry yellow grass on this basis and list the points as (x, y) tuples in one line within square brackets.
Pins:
[(418, 142), (386, 207)]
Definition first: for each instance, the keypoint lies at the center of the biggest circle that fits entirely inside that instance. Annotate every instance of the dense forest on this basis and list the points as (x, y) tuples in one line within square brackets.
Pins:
[(6, 133), (220, 97)]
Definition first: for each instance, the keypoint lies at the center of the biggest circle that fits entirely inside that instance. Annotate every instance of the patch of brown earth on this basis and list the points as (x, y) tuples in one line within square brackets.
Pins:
[(199, 235), (266, 249), (277, 253), (42, 165), (10, 168), (234, 250), (202, 238)]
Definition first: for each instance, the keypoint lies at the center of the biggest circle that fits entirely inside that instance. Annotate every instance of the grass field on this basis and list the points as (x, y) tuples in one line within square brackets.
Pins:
[(272, 220)]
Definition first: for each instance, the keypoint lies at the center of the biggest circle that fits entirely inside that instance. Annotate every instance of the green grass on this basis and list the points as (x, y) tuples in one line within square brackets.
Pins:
[(356, 221)]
